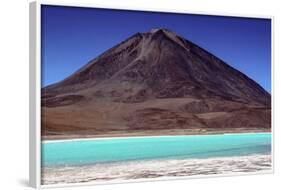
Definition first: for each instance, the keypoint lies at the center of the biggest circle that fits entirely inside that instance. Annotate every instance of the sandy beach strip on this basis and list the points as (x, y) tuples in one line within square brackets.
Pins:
[(61, 138), (151, 169), (139, 137)]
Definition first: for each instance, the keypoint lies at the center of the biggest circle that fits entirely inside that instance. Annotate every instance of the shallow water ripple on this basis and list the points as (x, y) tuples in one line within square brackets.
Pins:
[(155, 169)]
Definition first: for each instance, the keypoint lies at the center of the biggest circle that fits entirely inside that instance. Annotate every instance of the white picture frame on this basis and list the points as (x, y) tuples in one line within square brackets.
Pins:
[(35, 85)]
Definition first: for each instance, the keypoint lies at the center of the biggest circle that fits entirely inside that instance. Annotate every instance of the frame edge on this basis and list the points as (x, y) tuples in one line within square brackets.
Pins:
[(34, 97)]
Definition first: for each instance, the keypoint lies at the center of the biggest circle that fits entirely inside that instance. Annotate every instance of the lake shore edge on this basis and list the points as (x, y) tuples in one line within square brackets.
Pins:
[(158, 133), (157, 169)]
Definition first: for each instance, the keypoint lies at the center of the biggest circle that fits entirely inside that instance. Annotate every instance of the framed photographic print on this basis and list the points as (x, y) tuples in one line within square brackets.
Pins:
[(125, 95)]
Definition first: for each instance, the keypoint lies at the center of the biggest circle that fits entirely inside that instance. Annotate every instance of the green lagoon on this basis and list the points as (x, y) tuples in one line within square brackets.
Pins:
[(96, 151)]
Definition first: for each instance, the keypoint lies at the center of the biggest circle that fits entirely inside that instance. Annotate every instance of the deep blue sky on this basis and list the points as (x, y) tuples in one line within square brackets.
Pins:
[(73, 36)]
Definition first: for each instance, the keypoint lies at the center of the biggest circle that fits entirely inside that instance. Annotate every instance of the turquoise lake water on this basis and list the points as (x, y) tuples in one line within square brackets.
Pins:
[(80, 152)]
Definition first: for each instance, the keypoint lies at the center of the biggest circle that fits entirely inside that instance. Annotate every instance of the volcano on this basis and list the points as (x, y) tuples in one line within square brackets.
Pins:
[(155, 82)]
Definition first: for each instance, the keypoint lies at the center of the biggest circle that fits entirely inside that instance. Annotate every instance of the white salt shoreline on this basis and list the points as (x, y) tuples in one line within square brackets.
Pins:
[(144, 136), (156, 169)]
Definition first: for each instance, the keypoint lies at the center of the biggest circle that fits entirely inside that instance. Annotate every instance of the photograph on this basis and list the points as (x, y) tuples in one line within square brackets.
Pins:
[(135, 95)]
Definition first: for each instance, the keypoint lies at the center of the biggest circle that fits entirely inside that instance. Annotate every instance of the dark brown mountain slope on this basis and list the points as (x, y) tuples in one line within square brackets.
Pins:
[(154, 81)]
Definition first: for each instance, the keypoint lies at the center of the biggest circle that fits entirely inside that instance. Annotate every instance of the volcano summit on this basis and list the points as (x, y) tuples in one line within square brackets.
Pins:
[(154, 83)]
